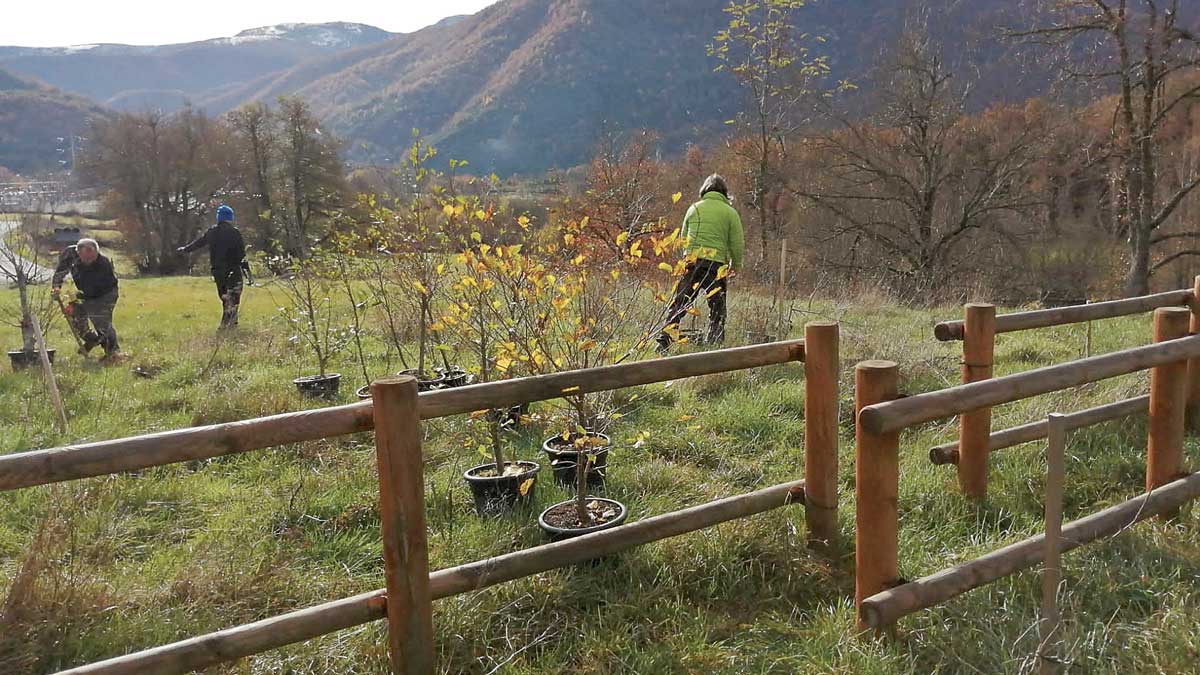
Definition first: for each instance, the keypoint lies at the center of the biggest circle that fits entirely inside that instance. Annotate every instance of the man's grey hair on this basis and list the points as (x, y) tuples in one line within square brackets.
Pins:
[(88, 242), (714, 183)]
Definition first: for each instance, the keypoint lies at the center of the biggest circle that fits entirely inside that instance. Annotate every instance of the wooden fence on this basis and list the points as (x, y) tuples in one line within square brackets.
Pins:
[(880, 597), (395, 413), (978, 331)]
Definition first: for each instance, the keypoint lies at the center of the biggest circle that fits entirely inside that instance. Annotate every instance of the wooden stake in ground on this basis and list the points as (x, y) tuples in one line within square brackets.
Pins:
[(975, 427), (821, 433), (1193, 367), (876, 487), (402, 513), (1052, 568), (48, 374), (1168, 399)]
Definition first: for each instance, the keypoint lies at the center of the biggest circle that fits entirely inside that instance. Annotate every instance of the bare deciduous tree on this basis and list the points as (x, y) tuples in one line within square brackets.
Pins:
[(1150, 52)]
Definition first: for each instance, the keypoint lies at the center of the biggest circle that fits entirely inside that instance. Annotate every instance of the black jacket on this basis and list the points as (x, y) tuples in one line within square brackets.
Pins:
[(226, 249), (93, 281)]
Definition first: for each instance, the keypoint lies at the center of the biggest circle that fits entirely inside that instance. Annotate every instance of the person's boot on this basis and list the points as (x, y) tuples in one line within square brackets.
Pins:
[(90, 342), (664, 345)]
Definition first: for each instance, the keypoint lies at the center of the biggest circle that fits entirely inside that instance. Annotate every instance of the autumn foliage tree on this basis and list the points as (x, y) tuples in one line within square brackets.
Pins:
[(1149, 52)]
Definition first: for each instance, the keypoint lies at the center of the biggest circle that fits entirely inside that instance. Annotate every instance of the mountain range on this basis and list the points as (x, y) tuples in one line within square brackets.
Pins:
[(521, 86)]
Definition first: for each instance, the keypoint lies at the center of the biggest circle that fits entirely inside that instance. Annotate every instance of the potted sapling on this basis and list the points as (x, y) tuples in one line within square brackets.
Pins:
[(579, 317), (312, 315), (477, 313), (23, 266)]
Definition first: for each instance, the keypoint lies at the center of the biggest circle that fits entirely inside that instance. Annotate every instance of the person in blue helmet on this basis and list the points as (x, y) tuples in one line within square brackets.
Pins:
[(227, 258)]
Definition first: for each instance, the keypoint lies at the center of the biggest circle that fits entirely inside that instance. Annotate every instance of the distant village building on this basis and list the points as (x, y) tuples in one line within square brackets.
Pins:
[(66, 236)]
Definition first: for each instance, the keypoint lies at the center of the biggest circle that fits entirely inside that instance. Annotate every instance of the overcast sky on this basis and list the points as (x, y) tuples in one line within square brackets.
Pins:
[(58, 23)]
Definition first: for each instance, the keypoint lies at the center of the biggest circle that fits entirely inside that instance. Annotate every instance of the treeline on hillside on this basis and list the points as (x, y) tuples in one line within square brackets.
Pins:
[(165, 175), (890, 180)]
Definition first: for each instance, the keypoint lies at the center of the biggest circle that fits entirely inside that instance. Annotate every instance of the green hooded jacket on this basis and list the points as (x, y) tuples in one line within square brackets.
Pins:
[(714, 230)]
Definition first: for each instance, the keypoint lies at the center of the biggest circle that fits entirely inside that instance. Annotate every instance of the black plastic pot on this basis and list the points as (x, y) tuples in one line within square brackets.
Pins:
[(564, 458), (25, 359), (364, 392), (453, 376), (497, 494), (556, 533), (322, 386), (425, 384)]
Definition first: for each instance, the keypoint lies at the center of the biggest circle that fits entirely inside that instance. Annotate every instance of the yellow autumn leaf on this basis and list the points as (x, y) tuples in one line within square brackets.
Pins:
[(476, 237), (481, 215), (713, 292), (622, 238), (420, 288), (503, 363), (676, 197), (578, 259), (722, 272), (525, 486), (666, 267), (523, 221), (636, 249), (693, 311), (615, 274)]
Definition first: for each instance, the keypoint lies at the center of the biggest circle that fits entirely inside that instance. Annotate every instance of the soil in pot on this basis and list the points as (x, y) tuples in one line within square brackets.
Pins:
[(497, 494), (561, 521), (323, 386), (26, 359), (564, 455)]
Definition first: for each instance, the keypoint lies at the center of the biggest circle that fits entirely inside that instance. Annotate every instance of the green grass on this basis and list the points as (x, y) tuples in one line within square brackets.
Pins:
[(101, 567)]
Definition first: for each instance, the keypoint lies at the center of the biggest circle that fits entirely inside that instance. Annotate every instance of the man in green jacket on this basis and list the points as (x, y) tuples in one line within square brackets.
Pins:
[(716, 244)]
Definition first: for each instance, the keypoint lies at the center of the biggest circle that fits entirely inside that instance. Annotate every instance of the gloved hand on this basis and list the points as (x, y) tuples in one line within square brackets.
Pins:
[(180, 249), (55, 291)]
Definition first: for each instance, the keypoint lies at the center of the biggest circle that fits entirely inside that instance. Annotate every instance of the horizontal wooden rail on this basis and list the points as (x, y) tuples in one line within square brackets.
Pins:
[(41, 467), (895, 415), (1061, 316), (883, 609), (947, 453), (310, 622)]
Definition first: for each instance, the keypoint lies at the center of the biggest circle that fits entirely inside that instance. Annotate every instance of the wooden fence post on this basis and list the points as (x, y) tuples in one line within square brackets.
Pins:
[(876, 487), (402, 513), (1168, 398), (821, 433), (1056, 425), (979, 341), (1193, 367)]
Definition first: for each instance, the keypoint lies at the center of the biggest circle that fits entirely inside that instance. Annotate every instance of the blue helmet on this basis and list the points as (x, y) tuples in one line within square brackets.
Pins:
[(224, 214)]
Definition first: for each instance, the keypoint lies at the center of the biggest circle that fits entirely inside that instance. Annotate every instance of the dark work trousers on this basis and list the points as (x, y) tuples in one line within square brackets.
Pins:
[(700, 277), (229, 289), (98, 312)]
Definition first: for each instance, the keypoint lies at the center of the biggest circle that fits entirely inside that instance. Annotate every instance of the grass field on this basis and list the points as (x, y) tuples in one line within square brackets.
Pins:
[(105, 566)]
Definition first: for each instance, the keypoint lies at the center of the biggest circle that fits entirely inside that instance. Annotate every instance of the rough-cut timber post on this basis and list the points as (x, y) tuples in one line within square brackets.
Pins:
[(975, 427), (402, 512), (821, 433), (876, 487), (1168, 399), (1052, 568), (1193, 368)]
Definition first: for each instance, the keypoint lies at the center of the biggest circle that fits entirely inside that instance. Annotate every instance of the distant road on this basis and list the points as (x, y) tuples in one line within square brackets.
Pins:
[(36, 272)]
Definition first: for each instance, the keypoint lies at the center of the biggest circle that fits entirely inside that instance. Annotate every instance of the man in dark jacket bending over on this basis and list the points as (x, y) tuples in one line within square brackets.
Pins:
[(93, 276), (226, 255)]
